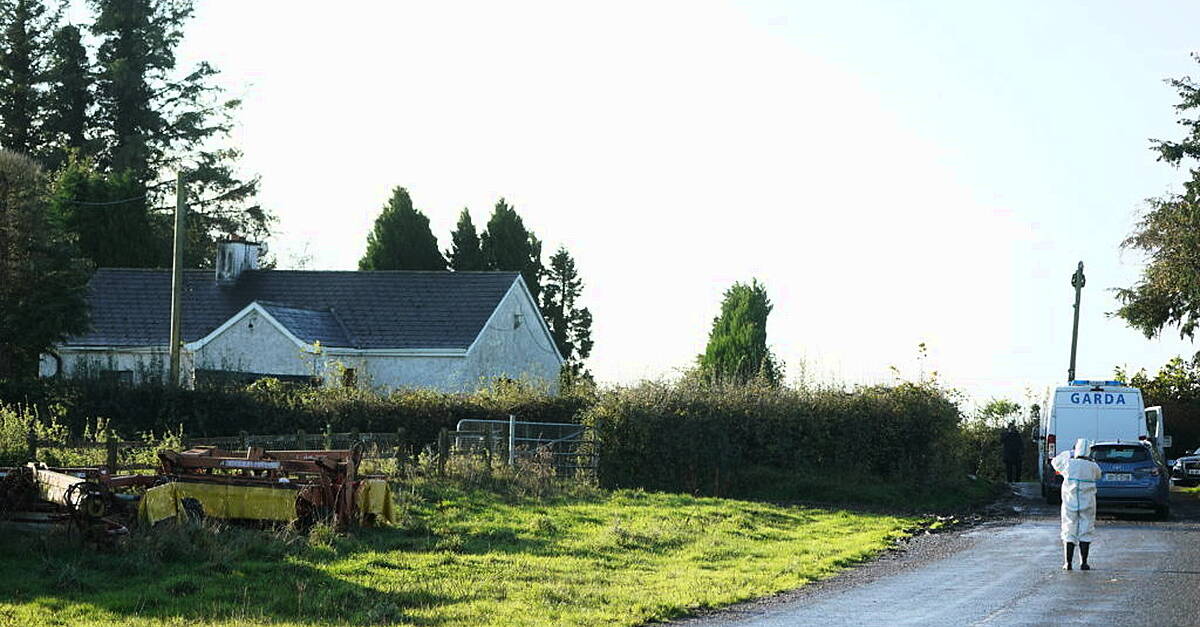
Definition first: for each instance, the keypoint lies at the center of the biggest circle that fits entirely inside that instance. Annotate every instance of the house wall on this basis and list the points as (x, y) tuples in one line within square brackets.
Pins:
[(142, 364), (524, 352), (255, 344)]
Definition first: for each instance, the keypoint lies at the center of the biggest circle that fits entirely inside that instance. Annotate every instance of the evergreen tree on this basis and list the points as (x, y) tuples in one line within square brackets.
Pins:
[(737, 345), (42, 282), (70, 97), (570, 325), (112, 226), (507, 245), (464, 254), (25, 28), (154, 122), (401, 239)]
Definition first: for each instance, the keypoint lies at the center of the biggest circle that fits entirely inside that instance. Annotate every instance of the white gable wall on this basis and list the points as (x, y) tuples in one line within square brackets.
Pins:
[(507, 349), (255, 344)]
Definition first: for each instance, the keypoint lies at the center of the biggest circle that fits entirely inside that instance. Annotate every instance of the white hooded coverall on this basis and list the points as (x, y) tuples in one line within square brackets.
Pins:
[(1078, 492)]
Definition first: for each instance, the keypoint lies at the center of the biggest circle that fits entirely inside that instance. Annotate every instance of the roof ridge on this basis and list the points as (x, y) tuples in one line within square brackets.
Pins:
[(273, 303)]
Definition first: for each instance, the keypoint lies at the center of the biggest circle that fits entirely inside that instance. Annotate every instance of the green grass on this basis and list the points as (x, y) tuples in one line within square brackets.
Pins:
[(774, 486), (461, 557)]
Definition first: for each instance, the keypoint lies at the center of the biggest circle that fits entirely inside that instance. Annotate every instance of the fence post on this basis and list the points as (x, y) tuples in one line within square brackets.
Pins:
[(301, 439), (110, 460), (31, 440), (355, 438), (443, 450), (512, 439), (328, 436), (245, 437), (400, 447)]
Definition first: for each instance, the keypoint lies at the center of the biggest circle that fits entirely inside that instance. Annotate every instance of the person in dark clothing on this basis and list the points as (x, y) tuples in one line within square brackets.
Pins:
[(1012, 446)]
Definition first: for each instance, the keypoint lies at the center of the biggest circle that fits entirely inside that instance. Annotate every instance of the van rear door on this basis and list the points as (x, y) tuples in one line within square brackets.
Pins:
[(1098, 414), (1072, 421)]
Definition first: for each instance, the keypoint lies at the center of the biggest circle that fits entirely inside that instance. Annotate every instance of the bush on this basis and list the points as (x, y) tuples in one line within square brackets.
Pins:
[(272, 407), (701, 439)]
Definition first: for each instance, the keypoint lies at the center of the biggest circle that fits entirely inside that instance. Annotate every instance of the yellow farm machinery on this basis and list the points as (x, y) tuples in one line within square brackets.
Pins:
[(300, 487)]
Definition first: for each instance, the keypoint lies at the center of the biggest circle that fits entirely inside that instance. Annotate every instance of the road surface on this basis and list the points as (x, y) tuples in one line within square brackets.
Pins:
[(1144, 572)]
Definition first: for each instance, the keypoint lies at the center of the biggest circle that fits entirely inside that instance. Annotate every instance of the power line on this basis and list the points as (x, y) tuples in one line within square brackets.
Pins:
[(105, 203)]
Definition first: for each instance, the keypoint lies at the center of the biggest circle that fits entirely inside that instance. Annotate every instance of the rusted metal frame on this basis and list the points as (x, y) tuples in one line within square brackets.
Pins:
[(270, 467)]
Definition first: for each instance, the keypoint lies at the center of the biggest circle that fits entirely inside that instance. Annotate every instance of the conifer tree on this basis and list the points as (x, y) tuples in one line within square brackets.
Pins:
[(401, 239), (154, 121), (464, 254), (41, 279), (25, 30), (113, 228), (737, 344), (70, 96), (507, 245), (570, 324)]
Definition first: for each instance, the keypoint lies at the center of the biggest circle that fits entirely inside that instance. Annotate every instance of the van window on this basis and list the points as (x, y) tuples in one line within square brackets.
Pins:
[(1120, 454)]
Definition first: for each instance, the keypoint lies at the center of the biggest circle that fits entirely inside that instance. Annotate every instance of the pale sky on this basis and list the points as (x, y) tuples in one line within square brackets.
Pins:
[(895, 173)]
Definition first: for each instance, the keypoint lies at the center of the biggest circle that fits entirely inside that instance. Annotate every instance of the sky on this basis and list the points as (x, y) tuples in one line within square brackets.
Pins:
[(894, 173)]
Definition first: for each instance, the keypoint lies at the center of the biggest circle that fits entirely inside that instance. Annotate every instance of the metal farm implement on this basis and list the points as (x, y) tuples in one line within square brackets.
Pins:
[(262, 486)]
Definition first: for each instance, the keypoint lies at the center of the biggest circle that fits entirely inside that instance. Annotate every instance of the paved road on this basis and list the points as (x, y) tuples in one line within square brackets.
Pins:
[(1144, 573)]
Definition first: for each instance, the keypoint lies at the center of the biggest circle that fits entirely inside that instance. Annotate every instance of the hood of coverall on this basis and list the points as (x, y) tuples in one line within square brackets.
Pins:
[(1083, 447)]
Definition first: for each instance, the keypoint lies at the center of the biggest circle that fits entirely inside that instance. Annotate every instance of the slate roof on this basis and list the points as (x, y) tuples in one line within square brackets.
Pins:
[(368, 310), (311, 325)]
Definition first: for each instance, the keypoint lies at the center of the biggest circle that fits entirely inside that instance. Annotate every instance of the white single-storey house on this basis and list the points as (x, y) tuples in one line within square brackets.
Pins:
[(449, 331)]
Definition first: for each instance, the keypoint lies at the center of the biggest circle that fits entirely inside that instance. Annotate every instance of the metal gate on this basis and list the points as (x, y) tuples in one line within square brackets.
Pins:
[(570, 448)]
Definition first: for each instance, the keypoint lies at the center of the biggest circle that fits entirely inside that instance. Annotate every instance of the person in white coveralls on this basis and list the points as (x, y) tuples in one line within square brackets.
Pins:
[(1080, 475)]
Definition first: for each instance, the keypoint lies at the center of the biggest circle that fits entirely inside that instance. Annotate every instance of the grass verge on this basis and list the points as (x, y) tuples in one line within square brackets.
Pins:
[(461, 557)]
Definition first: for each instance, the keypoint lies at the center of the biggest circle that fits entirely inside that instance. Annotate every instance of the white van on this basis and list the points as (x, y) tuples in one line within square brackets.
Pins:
[(1101, 411)]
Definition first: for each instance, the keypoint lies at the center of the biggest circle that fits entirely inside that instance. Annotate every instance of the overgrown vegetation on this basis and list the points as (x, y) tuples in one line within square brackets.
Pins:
[(271, 407), (712, 439), (1176, 388), (756, 440), (475, 548), (57, 446)]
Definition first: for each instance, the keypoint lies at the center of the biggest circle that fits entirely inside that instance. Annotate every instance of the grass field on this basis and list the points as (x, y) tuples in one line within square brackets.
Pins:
[(461, 557)]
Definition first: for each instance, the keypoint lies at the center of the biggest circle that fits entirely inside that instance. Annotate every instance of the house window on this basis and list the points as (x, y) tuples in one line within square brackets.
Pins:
[(349, 378), (117, 377)]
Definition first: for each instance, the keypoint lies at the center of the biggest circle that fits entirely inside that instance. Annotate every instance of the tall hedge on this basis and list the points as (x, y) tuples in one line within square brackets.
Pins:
[(271, 407), (702, 439)]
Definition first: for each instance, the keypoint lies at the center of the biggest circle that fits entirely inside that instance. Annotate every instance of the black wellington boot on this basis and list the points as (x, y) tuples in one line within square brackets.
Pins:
[(1083, 553), (1070, 555)]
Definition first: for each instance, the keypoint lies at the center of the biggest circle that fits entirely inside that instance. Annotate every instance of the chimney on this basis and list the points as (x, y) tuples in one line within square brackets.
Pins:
[(234, 256)]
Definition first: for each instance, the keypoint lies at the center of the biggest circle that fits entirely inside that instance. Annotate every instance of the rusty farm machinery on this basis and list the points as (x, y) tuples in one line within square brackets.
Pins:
[(301, 487)]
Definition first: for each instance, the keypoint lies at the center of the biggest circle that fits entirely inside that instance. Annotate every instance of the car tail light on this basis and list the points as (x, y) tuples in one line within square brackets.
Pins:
[(1050, 445)]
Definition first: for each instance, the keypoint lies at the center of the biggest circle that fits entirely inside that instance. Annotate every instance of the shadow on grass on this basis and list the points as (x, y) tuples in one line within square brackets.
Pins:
[(193, 575)]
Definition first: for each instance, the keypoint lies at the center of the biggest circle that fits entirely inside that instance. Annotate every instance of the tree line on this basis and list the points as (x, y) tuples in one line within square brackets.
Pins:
[(95, 118), (104, 107), (402, 240)]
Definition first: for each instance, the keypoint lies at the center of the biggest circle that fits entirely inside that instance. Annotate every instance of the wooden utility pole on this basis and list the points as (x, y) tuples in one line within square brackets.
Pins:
[(1077, 281), (177, 275)]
